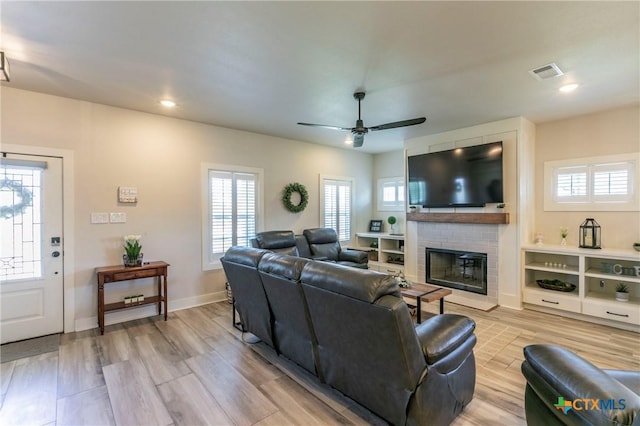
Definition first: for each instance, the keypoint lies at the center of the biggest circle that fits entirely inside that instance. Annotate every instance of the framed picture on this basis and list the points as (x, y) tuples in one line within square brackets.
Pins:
[(375, 226)]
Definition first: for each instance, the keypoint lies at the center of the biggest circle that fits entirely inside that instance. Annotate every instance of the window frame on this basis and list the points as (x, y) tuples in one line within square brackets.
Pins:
[(591, 201), (343, 179), (210, 260), (398, 184)]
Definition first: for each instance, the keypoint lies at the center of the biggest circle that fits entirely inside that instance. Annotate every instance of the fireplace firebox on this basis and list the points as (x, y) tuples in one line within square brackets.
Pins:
[(462, 270)]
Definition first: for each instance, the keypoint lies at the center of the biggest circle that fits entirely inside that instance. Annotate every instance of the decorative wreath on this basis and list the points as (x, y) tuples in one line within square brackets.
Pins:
[(286, 197), (25, 195)]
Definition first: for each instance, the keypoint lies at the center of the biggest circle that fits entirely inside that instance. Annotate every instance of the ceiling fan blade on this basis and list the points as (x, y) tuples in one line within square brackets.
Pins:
[(402, 123), (346, 129), (358, 140)]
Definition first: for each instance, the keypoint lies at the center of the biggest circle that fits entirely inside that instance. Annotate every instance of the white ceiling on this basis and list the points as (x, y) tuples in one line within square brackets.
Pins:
[(263, 66)]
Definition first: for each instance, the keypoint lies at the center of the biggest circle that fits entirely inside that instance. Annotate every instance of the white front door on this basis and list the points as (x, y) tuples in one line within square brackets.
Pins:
[(31, 247)]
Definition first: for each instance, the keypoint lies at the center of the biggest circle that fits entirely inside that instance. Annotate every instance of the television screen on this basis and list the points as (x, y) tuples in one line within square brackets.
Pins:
[(461, 177)]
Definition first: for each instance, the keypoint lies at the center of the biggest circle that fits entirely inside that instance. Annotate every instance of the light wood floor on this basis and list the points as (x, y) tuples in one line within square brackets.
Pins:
[(195, 369)]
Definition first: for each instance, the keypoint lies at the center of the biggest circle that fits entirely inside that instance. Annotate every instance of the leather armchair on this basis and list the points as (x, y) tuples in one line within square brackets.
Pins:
[(553, 372), (283, 242), (324, 245)]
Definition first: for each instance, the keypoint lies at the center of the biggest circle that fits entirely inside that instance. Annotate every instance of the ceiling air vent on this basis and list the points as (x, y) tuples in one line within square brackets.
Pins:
[(546, 72)]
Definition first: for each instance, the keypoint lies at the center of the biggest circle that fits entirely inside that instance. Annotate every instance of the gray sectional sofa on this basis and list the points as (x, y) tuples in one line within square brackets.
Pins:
[(315, 243), (351, 328)]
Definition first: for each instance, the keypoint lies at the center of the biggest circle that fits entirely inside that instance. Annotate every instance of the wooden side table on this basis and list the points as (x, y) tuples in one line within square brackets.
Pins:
[(425, 292), (112, 274)]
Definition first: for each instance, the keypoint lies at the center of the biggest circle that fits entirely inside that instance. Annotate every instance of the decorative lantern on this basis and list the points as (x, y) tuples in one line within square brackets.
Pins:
[(590, 236)]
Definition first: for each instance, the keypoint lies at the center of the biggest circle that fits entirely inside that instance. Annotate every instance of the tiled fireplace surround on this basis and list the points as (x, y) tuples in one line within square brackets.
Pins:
[(479, 238)]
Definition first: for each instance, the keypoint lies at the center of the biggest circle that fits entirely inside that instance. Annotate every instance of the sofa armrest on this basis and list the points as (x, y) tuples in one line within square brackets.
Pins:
[(442, 334), (351, 255), (553, 372)]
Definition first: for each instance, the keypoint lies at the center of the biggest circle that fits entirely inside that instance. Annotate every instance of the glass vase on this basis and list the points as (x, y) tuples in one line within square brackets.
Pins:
[(563, 242), (132, 261)]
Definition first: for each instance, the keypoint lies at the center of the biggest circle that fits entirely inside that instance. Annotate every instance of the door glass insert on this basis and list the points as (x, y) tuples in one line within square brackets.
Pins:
[(20, 220)]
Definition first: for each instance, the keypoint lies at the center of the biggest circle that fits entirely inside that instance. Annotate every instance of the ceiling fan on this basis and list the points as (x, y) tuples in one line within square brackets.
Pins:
[(359, 131)]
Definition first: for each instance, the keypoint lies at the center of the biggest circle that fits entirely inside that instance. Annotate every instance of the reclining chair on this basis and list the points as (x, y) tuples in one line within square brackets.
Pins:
[(283, 242), (324, 245)]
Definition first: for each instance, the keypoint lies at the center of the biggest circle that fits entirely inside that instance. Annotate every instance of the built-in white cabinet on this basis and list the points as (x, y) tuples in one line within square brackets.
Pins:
[(386, 251), (595, 274)]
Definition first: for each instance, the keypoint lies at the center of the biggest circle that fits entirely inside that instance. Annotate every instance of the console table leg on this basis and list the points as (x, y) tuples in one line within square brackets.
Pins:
[(101, 307), (159, 282), (166, 298)]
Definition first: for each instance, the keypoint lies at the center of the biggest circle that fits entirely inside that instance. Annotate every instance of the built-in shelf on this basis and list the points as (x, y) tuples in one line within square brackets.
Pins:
[(593, 273), (481, 218), (386, 251)]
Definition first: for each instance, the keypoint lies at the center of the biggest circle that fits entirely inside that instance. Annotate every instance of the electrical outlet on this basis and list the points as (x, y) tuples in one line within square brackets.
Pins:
[(118, 217), (99, 217)]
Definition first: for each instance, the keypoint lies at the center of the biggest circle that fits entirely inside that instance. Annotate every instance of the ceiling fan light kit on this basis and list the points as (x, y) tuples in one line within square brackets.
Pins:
[(360, 130)]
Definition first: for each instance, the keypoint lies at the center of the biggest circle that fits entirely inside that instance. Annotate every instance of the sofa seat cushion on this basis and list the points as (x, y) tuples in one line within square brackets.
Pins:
[(442, 334)]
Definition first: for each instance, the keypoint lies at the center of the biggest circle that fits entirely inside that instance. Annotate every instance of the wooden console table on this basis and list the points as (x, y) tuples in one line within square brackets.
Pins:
[(112, 274)]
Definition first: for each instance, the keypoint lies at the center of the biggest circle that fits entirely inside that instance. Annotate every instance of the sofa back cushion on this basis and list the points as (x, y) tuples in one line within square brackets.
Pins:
[(367, 345), (303, 246), (278, 241), (241, 268), (292, 329), (323, 242)]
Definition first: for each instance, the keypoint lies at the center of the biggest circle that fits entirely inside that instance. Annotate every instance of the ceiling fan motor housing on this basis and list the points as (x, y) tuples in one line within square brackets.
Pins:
[(359, 129)]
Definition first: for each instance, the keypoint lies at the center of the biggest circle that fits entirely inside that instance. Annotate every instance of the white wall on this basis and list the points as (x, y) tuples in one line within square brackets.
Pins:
[(161, 156), (387, 165), (609, 132)]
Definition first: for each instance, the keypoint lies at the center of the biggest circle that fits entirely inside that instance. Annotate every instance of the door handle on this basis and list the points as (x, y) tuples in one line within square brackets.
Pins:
[(55, 253)]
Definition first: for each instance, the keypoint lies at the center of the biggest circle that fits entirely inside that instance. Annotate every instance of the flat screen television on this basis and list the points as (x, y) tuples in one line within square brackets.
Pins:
[(461, 177)]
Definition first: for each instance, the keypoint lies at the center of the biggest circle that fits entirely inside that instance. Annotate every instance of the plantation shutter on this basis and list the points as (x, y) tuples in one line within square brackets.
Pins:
[(233, 209), (570, 184), (337, 207), (612, 182)]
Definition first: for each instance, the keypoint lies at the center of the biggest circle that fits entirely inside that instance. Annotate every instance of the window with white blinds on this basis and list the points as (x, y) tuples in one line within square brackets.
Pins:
[(391, 194), (571, 184), (336, 195), (594, 184), (232, 213)]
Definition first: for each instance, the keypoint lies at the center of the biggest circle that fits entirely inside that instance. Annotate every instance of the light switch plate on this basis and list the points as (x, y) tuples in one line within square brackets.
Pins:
[(127, 194), (99, 217), (117, 217)]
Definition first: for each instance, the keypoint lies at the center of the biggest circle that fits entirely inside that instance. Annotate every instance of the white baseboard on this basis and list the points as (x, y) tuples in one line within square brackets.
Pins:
[(510, 301), (149, 310)]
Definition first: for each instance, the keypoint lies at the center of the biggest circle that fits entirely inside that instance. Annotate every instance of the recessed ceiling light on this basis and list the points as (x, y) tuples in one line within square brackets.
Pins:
[(569, 88), (167, 103), (348, 140)]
